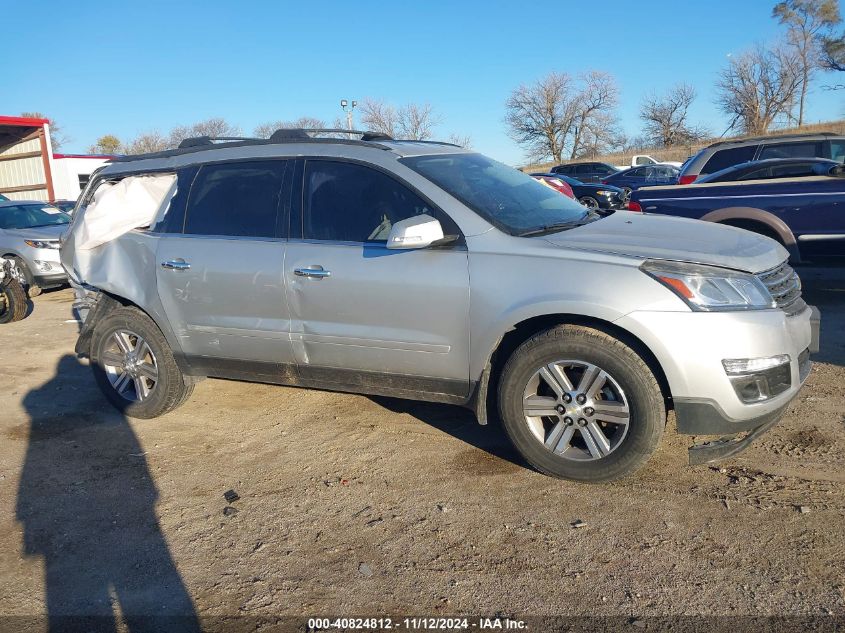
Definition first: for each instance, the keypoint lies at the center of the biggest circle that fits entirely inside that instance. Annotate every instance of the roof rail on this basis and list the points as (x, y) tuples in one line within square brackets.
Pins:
[(753, 139), (198, 141)]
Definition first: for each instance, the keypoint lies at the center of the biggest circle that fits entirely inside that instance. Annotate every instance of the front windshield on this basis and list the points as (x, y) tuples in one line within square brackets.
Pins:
[(28, 216), (507, 198)]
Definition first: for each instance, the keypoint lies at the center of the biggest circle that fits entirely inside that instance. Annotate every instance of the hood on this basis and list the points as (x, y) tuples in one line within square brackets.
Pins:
[(676, 239), (39, 232)]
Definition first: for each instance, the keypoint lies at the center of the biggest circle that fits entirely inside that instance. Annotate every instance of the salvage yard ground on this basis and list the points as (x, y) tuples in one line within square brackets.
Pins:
[(351, 505)]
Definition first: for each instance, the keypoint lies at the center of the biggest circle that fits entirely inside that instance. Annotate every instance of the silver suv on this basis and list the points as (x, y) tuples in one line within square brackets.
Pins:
[(422, 270)]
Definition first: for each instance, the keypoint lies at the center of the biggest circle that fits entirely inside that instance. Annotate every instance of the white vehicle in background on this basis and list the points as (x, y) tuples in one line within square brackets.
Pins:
[(638, 160)]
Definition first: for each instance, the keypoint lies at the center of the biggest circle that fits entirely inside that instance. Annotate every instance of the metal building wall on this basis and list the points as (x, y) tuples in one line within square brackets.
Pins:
[(24, 171)]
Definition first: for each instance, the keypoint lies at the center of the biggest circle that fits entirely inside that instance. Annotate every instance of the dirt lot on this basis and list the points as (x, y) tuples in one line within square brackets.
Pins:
[(351, 505)]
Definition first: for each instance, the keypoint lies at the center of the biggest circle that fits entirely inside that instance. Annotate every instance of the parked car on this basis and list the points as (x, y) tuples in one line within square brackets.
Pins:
[(592, 196), (775, 168), (805, 215), (632, 179), (427, 271), (586, 171), (724, 154), (65, 205), (29, 235), (639, 160), (555, 182)]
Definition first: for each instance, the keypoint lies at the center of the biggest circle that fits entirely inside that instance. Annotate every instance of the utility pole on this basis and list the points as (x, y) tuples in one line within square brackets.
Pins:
[(343, 104)]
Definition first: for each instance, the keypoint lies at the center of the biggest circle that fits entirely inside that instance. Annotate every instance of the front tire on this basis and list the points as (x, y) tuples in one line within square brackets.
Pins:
[(589, 202), (580, 404), (134, 366), (32, 289)]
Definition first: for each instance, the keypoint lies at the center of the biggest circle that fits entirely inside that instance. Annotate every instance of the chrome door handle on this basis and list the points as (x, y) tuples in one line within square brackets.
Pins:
[(176, 264), (312, 271)]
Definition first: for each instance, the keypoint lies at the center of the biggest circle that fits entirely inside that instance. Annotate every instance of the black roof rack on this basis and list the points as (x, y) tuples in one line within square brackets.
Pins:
[(198, 141), (754, 139)]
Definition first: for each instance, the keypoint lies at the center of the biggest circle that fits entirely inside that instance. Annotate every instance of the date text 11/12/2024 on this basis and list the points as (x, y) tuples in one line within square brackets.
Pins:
[(415, 623)]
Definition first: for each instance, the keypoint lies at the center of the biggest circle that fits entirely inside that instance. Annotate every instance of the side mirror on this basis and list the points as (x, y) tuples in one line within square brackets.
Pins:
[(418, 231)]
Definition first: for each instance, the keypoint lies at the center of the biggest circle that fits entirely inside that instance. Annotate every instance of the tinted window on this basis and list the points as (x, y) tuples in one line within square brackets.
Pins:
[(603, 170), (728, 158), (837, 151), (237, 199), (793, 171), (500, 194), (791, 150), (354, 203), (639, 172), (581, 170), (563, 169)]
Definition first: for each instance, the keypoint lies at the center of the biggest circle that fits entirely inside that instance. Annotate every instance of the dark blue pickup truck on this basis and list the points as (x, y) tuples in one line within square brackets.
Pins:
[(806, 215)]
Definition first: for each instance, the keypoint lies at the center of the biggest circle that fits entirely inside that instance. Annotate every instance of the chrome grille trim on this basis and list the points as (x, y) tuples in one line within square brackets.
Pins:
[(785, 287)]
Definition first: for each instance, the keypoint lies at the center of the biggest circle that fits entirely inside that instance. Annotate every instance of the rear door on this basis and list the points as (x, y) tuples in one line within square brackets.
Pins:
[(363, 314), (220, 267)]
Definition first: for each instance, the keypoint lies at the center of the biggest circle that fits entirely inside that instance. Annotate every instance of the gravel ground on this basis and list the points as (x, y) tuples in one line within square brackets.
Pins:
[(354, 505)]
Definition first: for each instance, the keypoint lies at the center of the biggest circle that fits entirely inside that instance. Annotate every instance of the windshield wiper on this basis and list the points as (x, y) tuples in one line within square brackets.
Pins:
[(554, 228)]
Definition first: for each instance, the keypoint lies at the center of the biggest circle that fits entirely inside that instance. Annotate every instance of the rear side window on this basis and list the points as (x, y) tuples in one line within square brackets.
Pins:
[(603, 170), (347, 202), (791, 150), (584, 170), (728, 158), (563, 169), (236, 199)]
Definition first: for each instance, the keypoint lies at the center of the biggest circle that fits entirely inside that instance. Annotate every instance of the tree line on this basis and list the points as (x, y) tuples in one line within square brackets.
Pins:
[(560, 116), (410, 121)]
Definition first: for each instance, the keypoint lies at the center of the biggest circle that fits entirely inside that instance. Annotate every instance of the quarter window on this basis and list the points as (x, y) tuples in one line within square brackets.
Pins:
[(236, 199), (347, 202), (728, 158)]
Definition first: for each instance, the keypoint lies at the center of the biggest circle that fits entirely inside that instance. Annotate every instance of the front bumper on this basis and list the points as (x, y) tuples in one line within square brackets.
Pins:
[(690, 348)]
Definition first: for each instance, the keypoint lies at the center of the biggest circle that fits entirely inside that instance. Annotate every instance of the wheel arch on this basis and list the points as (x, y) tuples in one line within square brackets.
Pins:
[(751, 216), (485, 393), (110, 301)]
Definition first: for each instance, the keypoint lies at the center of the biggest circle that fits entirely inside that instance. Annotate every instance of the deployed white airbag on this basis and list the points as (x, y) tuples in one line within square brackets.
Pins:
[(116, 209)]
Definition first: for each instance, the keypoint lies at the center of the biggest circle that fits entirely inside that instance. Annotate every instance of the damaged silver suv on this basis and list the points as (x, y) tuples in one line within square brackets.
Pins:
[(422, 270)]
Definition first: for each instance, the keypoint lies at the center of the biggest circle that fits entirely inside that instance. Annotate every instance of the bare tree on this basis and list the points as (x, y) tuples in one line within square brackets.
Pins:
[(558, 115), (805, 20), (411, 121), (462, 140), (210, 127), (107, 144), (147, 142), (759, 86), (57, 135), (665, 117), (265, 130), (832, 53)]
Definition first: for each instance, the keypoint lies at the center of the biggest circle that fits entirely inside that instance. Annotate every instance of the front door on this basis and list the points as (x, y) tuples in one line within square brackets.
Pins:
[(365, 315), (221, 279)]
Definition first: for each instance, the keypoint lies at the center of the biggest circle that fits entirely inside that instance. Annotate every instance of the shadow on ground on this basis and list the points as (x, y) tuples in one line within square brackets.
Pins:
[(824, 287), (87, 506)]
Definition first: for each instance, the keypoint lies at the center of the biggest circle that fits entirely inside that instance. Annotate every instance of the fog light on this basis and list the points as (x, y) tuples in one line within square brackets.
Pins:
[(758, 379), (43, 266)]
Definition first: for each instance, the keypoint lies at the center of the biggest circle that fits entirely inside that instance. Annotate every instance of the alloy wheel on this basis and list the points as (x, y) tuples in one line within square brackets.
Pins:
[(130, 365), (576, 410)]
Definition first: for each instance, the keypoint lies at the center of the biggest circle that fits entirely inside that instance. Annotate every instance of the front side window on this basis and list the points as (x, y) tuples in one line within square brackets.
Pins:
[(236, 199), (837, 151), (347, 202), (30, 216), (505, 197)]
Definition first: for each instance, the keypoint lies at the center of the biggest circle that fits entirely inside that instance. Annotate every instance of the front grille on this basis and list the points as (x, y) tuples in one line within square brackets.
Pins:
[(785, 287)]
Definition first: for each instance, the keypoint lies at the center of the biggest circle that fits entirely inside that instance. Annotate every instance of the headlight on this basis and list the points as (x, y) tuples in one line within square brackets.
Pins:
[(54, 244), (711, 288), (602, 192)]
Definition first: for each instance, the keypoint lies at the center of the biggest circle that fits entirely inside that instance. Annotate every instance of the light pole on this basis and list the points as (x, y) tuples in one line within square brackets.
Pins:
[(344, 104)]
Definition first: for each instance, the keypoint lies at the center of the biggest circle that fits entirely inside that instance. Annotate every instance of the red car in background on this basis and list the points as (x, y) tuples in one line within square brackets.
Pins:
[(557, 184)]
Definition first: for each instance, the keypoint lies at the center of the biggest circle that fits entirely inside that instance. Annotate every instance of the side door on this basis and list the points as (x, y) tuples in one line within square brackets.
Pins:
[(220, 267), (363, 315)]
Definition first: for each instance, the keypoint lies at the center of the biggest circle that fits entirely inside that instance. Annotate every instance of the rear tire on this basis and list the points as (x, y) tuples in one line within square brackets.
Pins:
[(609, 434), (134, 365), (13, 303)]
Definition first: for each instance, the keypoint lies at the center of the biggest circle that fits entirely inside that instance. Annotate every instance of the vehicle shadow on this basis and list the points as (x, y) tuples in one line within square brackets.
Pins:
[(86, 502), (460, 423), (823, 285)]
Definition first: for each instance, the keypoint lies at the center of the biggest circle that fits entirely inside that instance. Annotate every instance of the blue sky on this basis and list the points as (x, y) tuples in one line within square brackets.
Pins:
[(129, 67)]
